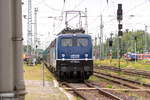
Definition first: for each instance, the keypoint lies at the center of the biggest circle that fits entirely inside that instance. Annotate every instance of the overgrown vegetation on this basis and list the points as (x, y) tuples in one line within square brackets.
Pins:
[(78, 98), (36, 73), (128, 41), (141, 64), (109, 86)]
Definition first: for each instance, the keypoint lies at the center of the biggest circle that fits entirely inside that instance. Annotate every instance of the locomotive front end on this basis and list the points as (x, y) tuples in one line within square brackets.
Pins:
[(74, 58)]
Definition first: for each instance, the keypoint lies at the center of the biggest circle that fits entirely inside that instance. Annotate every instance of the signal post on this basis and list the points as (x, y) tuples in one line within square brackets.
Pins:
[(120, 33), (110, 47)]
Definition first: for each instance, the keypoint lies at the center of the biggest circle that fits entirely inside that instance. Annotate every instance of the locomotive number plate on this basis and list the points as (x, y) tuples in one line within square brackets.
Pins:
[(75, 56), (75, 61)]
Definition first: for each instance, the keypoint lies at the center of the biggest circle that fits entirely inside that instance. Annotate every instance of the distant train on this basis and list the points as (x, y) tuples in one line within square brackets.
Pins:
[(135, 56), (69, 56)]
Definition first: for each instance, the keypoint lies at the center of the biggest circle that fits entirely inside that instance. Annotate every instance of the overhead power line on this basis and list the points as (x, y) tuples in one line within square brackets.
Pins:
[(136, 6), (50, 7), (76, 6), (61, 14)]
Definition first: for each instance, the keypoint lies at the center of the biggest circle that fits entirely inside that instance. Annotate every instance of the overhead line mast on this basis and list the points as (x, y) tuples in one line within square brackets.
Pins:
[(101, 38), (29, 29), (35, 32), (86, 21)]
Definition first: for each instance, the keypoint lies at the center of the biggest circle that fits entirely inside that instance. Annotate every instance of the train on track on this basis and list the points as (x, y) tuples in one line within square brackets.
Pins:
[(69, 56), (136, 56)]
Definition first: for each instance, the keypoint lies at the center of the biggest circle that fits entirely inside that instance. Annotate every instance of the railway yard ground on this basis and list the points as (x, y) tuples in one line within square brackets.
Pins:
[(107, 83), (133, 77), (140, 64)]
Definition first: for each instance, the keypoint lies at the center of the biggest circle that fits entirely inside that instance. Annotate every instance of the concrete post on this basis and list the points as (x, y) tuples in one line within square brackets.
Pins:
[(11, 71), (6, 48), (19, 86)]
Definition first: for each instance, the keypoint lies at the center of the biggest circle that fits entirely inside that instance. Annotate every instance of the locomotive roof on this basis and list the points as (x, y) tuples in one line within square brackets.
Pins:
[(67, 35), (68, 30), (71, 35)]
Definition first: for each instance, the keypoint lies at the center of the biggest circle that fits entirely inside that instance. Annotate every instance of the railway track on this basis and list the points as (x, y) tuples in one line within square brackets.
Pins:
[(142, 73), (88, 91), (123, 81)]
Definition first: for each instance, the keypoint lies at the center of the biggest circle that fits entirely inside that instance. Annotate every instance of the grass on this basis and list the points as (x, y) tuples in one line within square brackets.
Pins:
[(94, 78), (78, 98), (36, 73), (142, 64), (109, 86), (131, 77)]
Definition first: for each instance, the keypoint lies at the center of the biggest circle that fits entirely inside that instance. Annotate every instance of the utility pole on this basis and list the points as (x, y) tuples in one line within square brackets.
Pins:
[(86, 22), (29, 29), (95, 48), (54, 19), (35, 32), (99, 47), (145, 51), (80, 21), (101, 37), (66, 22), (54, 24)]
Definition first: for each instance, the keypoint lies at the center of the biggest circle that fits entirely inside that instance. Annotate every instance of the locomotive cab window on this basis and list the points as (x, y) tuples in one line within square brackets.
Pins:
[(66, 42), (82, 42)]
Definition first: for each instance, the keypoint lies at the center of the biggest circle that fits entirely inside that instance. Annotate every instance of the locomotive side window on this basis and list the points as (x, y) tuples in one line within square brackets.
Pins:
[(82, 42), (66, 42)]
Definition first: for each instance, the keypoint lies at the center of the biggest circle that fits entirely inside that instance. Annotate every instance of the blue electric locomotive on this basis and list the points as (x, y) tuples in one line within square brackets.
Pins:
[(70, 56)]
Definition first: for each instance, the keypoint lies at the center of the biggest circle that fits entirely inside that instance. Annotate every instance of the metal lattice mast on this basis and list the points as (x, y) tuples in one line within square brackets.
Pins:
[(86, 22), (29, 28), (35, 31)]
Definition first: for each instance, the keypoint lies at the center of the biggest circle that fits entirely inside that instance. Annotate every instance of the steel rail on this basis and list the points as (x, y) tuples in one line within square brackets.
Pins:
[(75, 91), (115, 81), (90, 87), (112, 79), (103, 92), (145, 74), (130, 90), (124, 79)]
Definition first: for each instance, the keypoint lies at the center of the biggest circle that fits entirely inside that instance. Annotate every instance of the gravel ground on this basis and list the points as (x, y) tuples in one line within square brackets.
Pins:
[(125, 95), (36, 91), (90, 94)]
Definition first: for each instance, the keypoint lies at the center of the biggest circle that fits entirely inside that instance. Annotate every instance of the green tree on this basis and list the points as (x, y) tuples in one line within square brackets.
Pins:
[(128, 41)]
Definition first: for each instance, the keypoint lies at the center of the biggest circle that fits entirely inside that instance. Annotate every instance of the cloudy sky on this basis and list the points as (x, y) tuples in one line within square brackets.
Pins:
[(136, 14)]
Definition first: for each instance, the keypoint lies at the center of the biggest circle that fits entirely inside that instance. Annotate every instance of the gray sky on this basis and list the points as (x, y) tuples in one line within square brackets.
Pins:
[(139, 8)]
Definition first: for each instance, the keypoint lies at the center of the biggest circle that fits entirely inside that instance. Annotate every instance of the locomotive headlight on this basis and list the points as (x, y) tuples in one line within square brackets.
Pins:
[(63, 55), (63, 59), (86, 55)]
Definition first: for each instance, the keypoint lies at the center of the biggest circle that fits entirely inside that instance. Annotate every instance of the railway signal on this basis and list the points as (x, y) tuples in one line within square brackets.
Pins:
[(110, 43), (110, 46), (119, 18), (119, 12), (120, 33), (120, 26)]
